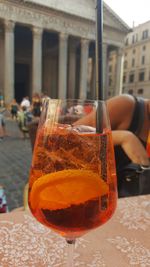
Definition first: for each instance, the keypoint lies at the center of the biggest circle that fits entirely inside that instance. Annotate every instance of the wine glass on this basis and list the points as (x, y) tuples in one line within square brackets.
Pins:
[(72, 185)]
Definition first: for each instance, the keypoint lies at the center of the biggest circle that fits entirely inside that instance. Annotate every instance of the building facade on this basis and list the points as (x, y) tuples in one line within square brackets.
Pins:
[(50, 46), (136, 77)]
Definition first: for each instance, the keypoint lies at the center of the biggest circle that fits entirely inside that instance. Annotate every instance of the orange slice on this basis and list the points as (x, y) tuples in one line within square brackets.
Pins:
[(62, 189)]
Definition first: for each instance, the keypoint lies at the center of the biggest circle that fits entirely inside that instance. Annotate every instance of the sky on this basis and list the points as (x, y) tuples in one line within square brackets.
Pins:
[(131, 11)]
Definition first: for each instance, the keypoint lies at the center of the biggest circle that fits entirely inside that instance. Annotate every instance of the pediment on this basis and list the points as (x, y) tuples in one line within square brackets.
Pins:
[(84, 9), (111, 19)]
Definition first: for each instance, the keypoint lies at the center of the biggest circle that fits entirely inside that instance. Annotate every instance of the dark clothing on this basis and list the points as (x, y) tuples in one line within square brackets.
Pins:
[(135, 126), (14, 110), (36, 108)]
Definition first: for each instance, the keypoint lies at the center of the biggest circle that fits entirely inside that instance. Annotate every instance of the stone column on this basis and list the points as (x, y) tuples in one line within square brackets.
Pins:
[(37, 60), (93, 81), (84, 68), (119, 71), (72, 69), (62, 69), (2, 60), (9, 62)]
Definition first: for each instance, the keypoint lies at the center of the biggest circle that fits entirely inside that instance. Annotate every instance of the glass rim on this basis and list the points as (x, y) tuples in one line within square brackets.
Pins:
[(75, 100)]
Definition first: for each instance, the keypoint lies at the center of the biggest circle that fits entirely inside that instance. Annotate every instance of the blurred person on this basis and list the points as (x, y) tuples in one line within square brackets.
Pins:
[(74, 110), (1, 100), (128, 113), (22, 121), (25, 103), (78, 110), (36, 105), (2, 125), (37, 102), (43, 96), (14, 107)]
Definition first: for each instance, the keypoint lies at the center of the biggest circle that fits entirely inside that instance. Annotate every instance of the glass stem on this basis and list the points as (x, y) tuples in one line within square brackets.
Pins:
[(70, 252)]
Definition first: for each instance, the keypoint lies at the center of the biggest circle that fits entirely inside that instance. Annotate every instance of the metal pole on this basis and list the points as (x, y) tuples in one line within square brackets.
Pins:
[(99, 50)]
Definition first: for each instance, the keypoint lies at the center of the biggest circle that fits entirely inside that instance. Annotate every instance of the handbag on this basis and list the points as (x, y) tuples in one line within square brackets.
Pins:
[(134, 180)]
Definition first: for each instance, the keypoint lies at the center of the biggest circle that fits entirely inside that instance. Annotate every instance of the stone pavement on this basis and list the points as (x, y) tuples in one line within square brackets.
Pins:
[(15, 160)]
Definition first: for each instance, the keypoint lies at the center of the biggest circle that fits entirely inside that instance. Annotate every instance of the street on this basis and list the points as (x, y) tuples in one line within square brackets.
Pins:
[(15, 160)]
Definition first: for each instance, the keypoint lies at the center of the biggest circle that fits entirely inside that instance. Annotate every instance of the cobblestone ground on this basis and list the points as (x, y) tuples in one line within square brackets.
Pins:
[(15, 160)]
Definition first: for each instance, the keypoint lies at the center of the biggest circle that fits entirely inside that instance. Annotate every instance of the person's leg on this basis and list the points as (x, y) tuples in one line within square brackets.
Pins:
[(1, 133), (16, 115), (24, 134), (3, 127)]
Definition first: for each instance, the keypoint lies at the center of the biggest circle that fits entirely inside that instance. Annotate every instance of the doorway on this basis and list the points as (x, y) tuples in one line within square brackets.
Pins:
[(22, 81)]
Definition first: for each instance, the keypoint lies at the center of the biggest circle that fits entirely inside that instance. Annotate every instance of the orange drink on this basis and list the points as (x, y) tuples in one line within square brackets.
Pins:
[(68, 191)]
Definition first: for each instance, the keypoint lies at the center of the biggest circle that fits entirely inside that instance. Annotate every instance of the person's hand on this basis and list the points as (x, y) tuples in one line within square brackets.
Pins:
[(131, 146)]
